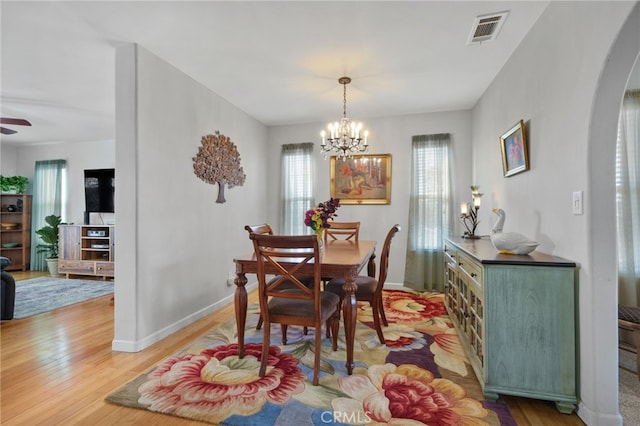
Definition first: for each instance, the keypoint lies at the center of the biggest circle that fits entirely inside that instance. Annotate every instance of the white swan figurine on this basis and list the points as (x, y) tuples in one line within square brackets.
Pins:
[(510, 242)]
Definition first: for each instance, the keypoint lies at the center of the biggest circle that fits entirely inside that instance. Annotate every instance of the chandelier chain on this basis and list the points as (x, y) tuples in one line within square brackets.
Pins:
[(344, 100)]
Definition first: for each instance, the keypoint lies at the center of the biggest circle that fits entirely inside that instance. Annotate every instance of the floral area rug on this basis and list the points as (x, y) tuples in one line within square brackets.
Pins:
[(421, 376)]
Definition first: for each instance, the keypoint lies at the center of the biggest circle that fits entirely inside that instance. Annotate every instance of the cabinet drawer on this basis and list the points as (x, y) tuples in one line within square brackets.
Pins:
[(471, 268), (76, 267), (450, 254), (105, 268)]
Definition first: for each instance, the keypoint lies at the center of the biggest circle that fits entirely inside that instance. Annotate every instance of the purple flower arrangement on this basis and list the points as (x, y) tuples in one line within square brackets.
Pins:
[(318, 218)]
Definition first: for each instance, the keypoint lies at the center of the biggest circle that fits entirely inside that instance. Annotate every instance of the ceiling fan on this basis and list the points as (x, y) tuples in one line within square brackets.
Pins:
[(14, 122)]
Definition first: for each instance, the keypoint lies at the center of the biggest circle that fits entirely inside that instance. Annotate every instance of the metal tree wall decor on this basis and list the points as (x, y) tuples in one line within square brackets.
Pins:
[(218, 161)]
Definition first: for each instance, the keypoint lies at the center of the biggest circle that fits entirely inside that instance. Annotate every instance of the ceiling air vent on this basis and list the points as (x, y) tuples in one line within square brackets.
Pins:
[(486, 27)]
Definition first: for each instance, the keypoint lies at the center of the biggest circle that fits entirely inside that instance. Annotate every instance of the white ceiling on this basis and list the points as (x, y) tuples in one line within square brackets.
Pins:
[(277, 61)]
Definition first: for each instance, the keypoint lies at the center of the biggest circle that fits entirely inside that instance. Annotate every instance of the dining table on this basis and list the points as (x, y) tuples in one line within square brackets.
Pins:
[(339, 259)]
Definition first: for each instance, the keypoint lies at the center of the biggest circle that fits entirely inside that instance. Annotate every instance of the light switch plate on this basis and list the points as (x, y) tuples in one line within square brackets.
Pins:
[(577, 202)]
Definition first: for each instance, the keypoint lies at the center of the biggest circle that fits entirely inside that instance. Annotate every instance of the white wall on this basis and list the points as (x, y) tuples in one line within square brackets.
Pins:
[(8, 159), (175, 244), (79, 156), (550, 82), (390, 135)]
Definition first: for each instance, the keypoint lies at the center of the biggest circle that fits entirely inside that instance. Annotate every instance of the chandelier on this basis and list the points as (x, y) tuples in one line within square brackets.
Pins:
[(344, 138)]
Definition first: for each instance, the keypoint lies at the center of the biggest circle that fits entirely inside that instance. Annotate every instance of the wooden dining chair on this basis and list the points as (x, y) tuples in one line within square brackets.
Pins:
[(301, 305), (342, 231), (369, 288), (349, 231), (265, 229)]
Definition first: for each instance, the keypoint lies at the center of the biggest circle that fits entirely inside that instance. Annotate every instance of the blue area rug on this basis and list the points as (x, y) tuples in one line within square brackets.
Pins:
[(43, 294)]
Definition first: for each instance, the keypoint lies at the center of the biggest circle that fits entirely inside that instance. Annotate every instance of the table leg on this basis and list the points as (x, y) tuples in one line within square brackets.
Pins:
[(349, 314), (371, 266), (240, 301)]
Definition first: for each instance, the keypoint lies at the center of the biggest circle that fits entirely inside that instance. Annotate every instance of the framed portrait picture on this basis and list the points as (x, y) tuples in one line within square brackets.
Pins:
[(363, 179), (515, 152)]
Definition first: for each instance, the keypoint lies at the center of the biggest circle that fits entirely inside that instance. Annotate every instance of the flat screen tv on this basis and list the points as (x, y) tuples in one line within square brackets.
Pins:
[(99, 190)]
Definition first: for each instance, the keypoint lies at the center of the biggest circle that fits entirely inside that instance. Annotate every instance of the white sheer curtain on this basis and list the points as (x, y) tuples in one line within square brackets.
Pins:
[(628, 200), (48, 185), (430, 210), (297, 186)]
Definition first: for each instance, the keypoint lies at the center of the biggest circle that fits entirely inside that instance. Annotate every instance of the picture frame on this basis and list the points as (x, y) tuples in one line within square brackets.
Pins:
[(361, 179), (515, 151)]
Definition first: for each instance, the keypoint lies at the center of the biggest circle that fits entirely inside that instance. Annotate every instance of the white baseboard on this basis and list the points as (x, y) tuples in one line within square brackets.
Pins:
[(591, 417), (139, 345)]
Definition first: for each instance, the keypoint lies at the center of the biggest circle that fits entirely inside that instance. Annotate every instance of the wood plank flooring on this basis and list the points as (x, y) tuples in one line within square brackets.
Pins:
[(56, 369)]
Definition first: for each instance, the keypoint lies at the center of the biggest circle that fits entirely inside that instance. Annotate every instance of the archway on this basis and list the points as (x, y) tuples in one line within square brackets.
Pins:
[(600, 383)]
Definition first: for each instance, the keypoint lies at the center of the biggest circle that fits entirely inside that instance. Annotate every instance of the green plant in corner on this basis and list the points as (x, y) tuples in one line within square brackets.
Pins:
[(17, 183), (49, 235)]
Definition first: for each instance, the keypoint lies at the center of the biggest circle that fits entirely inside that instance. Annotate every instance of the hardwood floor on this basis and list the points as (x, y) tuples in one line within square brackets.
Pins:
[(57, 368)]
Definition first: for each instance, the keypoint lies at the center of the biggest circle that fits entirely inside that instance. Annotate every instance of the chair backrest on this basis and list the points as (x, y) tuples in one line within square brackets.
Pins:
[(286, 254), (342, 230), (384, 257), (264, 228)]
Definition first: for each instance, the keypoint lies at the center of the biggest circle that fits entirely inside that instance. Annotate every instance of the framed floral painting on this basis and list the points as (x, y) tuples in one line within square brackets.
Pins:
[(362, 179), (515, 153)]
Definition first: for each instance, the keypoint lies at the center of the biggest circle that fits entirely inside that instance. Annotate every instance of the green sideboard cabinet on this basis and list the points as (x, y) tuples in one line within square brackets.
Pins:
[(516, 318)]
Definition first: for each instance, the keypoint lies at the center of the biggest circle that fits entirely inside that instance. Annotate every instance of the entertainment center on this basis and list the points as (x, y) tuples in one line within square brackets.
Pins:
[(87, 250)]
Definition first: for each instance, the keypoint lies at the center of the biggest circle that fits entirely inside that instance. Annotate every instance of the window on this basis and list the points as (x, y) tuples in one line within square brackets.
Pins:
[(628, 199), (430, 195), (48, 198), (297, 186), (430, 211)]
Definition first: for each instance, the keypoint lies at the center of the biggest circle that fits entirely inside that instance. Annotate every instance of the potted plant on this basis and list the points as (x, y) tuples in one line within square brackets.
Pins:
[(14, 183), (49, 235)]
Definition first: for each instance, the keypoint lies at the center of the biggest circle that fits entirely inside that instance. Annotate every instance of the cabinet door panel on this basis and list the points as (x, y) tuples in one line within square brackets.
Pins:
[(529, 329), (69, 247)]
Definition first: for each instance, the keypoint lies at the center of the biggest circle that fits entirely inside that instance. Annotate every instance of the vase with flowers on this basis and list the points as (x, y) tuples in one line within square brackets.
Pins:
[(318, 218)]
